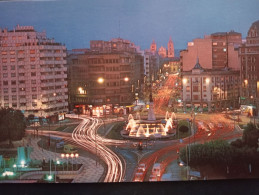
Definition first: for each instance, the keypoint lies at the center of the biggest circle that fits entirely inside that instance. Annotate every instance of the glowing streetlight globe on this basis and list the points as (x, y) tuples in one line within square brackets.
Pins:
[(100, 80)]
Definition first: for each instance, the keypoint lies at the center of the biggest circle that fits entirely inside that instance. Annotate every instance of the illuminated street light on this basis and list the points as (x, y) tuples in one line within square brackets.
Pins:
[(207, 80), (126, 79), (50, 177), (184, 80), (100, 80)]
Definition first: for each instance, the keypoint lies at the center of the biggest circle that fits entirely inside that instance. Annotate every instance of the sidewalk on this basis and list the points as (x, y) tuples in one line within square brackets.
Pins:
[(90, 174)]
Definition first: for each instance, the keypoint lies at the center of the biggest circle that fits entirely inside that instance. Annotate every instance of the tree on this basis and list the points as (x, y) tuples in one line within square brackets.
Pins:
[(12, 125), (251, 135)]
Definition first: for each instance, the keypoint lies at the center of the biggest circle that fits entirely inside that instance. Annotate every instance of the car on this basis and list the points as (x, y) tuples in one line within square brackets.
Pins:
[(156, 170), (153, 178), (220, 125), (142, 167), (194, 178), (181, 163), (211, 126), (138, 177)]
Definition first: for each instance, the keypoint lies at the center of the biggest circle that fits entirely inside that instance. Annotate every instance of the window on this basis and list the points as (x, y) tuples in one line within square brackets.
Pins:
[(204, 89), (14, 97), (32, 59), (12, 59), (195, 89), (21, 52), (33, 89), (214, 43), (4, 60), (22, 89), (14, 105), (33, 73), (32, 51), (33, 81), (12, 52), (12, 67), (13, 75), (13, 90), (5, 90), (4, 67), (3, 52), (34, 97), (13, 82), (6, 97), (34, 104), (5, 75), (33, 66), (187, 88), (5, 82)]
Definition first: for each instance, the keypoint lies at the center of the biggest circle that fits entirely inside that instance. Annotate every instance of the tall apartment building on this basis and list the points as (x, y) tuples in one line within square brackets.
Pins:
[(249, 59), (215, 51), (218, 54), (32, 72), (122, 72)]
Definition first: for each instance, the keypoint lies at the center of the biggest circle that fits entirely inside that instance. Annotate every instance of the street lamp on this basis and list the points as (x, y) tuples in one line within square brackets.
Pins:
[(67, 156), (63, 156), (100, 80), (72, 156), (76, 156)]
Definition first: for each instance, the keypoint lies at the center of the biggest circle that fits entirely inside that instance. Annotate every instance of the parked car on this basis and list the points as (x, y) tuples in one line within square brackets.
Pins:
[(156, 170), (138, 176), (142, 167), (153, 178)]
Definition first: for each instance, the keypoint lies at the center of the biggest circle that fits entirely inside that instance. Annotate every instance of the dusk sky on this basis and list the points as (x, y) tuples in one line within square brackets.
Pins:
[(76, 22)]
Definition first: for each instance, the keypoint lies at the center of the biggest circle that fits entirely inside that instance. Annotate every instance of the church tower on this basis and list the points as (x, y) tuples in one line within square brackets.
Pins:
[(153, 47), (170, 46)]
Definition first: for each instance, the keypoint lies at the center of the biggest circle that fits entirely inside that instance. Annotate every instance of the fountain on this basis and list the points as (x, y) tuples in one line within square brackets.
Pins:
[(151, 127)]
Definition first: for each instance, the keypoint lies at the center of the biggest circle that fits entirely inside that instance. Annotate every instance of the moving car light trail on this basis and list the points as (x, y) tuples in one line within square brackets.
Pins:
[(85, 134)]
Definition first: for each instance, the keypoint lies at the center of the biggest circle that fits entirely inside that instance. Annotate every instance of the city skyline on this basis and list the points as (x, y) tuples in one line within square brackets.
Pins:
[(76, 23)]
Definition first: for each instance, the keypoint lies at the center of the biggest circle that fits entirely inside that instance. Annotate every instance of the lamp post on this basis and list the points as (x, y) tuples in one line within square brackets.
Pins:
[(72, 156), (67, 156), (76, 156), (63, 156)]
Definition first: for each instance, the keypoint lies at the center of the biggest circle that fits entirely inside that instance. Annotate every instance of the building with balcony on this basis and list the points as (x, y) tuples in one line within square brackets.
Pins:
[(249, 59), (209, 90), (105, 80), (33, 76)]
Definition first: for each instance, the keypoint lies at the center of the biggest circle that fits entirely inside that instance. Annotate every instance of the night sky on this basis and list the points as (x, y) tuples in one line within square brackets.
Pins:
[(76, 22)]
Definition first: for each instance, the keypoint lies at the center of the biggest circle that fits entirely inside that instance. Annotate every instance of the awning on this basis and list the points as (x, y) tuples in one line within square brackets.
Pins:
[(130, 106)]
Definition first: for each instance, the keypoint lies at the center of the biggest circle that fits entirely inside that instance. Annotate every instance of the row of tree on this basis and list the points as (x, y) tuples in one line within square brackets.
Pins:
[(12, 125), (237, 157)]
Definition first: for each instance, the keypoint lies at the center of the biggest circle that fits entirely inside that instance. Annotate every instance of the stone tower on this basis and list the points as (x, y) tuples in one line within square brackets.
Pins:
[(170, 46)]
